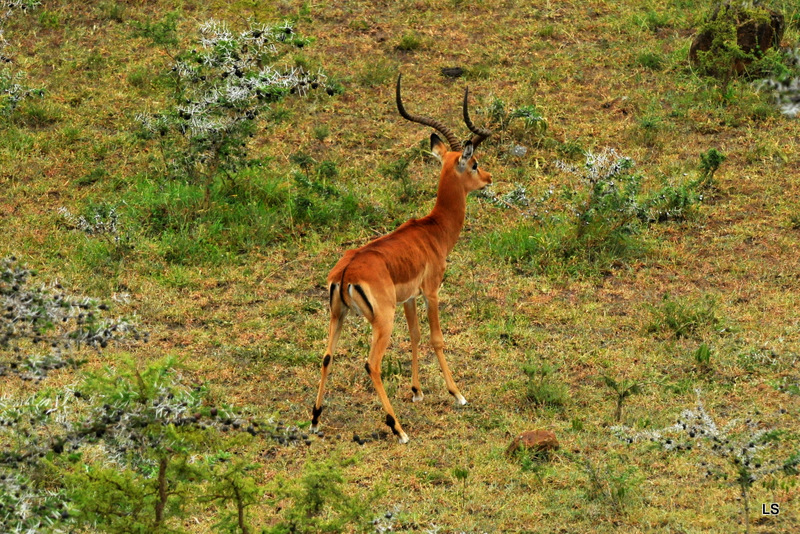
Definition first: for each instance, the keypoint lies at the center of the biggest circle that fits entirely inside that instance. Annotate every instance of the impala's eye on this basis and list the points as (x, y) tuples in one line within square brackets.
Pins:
[(475, 166)]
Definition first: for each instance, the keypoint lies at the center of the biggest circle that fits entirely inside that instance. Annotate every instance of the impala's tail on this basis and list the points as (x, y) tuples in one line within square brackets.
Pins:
[(352, 294)]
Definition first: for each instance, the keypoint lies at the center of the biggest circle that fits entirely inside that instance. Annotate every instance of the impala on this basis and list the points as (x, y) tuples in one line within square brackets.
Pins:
[(397, 268)]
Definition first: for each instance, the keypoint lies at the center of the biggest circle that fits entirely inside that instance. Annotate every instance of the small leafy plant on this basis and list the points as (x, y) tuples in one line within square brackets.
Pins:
[(316, 502), (501, 116), (710, 162), (702, 357), (622, 390), (608, 484), (102, 222), (461, 474)]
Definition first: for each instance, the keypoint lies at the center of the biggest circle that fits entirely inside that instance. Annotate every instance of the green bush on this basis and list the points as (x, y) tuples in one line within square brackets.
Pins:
[(588, 229), (319, 503), (594, 227)]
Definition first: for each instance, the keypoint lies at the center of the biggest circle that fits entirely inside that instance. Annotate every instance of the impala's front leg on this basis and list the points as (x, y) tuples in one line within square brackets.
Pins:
[(410, 309), (437, 341), (381, 334)]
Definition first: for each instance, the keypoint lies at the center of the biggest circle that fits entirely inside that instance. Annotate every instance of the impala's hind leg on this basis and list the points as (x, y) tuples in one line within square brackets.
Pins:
[(338, 313), (410, 309), (381, 334)]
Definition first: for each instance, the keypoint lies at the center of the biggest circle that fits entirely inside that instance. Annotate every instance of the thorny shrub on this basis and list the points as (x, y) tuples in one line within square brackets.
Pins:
[(740, 453), (142, 437), (12, 82), (785, 86), (45, 328), (594, 224), (221, 87)]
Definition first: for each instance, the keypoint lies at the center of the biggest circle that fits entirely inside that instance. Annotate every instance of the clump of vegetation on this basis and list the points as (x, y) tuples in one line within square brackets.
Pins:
[(651, 60), (608, 484), (710, 162), (218, 199), (735, 38), (45, 328), (317, 503), (702, 357), (409, 42), (736, 453), (154, 441), (501, 117), (101, 222), (594, 226), (685, 318), (12, 87), (516, 198), (541, 388)]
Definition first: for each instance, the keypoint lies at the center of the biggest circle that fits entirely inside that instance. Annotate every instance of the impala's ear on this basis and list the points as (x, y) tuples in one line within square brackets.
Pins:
[(438, 148), (466, 154)]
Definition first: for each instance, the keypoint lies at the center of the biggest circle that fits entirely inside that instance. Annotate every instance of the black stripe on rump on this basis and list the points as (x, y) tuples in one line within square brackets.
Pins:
[(364, 296), (341, 287)]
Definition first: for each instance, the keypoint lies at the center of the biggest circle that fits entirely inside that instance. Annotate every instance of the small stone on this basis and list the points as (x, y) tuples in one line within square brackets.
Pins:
[(518, 150), (452, 72), (534, 440)]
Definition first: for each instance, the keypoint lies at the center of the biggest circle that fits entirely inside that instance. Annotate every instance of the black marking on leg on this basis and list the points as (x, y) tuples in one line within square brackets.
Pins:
[(414, 390), (453, 393), (315, 412), (369, 371), (326, 361), (390, 422), (364, 296)]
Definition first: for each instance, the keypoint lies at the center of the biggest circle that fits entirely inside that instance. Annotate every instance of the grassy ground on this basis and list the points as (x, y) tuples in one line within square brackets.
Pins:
[(252, 322)]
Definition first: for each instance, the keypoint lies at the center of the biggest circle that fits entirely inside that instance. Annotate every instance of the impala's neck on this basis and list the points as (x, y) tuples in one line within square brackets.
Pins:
[(450, 208)]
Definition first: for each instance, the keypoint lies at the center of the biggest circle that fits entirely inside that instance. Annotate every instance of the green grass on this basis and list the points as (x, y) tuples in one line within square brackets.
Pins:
[(554, 271)]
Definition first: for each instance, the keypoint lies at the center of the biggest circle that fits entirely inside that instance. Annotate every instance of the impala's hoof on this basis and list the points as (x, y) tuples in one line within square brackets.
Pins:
[(402, 438), (418, 396), (461, 400)]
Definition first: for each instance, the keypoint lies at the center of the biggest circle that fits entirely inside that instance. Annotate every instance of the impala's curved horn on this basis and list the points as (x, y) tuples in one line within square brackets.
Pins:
[(436, 125), (480, 133)]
